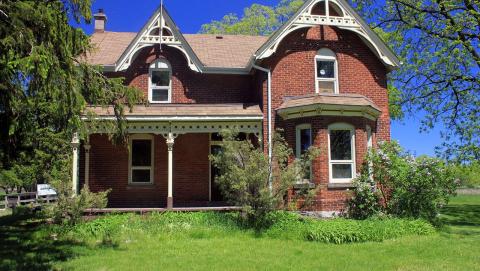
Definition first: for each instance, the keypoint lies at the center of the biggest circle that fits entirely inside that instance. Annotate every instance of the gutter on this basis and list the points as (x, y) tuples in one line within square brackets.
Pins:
[(269, 113)]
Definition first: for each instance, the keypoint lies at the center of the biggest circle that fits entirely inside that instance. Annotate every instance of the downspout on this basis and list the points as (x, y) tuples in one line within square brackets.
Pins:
[(269, 114)]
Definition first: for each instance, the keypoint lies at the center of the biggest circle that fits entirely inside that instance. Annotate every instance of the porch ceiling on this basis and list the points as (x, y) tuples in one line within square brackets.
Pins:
[(183, 112), (179, 118), (327, 104)]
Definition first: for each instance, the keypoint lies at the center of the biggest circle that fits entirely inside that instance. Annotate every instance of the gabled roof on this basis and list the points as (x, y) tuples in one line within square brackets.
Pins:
[(159, 20), (214, 51), (226, 53), (350, 21)]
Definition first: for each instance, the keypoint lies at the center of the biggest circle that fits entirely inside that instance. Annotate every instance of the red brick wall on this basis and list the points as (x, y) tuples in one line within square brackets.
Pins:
[(360, 72), (109, 169), (293, 74), (328, 199), (188, 86)]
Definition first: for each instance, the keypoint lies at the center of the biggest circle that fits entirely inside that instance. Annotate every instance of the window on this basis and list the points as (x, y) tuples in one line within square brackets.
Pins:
[(141, 160), (369, 137), (341, 139), (303, 143), (326, 75), (160, 83)]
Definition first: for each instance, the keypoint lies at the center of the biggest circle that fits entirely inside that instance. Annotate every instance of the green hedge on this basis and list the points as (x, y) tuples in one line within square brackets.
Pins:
[(283, 225), (340, 230)]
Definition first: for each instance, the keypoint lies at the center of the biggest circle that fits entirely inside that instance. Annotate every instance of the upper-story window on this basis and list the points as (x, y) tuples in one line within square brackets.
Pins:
[(160, 82), (326, 74)]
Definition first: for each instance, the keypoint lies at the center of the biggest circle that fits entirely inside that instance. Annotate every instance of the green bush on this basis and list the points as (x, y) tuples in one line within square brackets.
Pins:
[(284, 225), (408, 187), (468, 175), (365, 201), (250, 179), (339, 231), (69, 209)]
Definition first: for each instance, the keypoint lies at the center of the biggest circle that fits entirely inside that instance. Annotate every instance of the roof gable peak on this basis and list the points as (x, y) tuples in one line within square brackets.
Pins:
[(336, 13), (159, 29)]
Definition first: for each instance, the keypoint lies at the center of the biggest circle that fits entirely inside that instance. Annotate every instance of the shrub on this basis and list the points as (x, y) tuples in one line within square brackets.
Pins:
[(408, 186), (249, 179), (365, 201), (69, 209), (468, 175), (339, 231)]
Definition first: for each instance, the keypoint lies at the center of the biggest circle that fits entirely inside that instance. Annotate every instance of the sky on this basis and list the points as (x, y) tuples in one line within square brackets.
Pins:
[(189, 15)]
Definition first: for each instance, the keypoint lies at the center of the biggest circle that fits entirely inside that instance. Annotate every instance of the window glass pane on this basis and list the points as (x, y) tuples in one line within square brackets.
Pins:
[(140, 176), (160, 78), (325, 69), (141, 153), (160, 95), (340, 145), (305, 140), (342, 171), (326, 86)]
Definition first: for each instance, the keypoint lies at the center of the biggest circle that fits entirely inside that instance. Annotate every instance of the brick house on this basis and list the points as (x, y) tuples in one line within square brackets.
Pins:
[(321, 77)]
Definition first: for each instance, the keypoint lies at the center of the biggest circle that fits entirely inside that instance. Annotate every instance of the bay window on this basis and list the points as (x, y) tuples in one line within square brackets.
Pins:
[(341, 138), (303, 143)]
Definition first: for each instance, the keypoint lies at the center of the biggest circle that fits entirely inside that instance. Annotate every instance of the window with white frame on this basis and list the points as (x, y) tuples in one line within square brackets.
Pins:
[(303, 142), (160, 83), (141, 159), (369, 137), (326, 71), (341, 141)]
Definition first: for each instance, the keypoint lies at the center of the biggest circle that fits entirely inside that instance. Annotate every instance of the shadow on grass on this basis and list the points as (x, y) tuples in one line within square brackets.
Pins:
[(462, 219), (23, 245)]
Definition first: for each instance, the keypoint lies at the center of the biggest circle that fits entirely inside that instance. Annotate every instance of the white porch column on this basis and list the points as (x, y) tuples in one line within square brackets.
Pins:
[(170, 142), (75, 144), (87, 163)]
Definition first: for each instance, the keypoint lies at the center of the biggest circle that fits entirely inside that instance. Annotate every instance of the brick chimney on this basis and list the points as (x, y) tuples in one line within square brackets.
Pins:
[(100, 21)]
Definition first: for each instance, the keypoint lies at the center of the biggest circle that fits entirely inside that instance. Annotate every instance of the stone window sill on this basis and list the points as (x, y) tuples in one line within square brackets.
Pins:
[(299, 186), (340, 185)]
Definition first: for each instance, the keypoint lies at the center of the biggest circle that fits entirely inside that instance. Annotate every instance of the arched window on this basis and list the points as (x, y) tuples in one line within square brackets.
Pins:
[(341, 145), (326, 74), (160, 83)]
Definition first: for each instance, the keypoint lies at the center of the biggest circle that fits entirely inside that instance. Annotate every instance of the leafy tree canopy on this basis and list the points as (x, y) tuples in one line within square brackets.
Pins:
[(44, 88), (438, 43)]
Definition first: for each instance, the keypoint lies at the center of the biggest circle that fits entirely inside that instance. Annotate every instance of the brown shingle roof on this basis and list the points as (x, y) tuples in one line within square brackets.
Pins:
[(328, 99), (229, 51), (184, 111), (108, 47)]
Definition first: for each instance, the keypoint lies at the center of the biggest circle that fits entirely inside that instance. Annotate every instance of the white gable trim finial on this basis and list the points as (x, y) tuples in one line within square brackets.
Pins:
[(349, 20), (153, 33)]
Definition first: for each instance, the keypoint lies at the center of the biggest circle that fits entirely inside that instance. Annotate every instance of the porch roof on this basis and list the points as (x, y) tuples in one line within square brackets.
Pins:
[(188, 112), (328, 104)]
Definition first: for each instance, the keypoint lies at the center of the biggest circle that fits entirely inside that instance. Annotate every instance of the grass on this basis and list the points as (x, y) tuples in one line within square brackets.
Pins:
[(456, 246)]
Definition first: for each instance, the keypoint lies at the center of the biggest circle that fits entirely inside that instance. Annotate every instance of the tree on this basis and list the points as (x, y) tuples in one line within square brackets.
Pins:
[(45, 87), (248, 178), (256, 20), (438, 43)]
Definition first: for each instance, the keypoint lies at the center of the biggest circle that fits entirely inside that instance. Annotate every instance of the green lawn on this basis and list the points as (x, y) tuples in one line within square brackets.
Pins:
[(455, 247)]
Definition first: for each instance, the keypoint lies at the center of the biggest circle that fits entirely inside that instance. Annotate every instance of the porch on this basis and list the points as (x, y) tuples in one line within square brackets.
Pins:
[(165, 165)]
